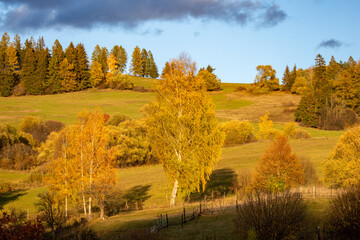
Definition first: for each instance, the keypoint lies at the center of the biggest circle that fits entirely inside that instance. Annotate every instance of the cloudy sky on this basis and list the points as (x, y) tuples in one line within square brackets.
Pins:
[(233, 36)]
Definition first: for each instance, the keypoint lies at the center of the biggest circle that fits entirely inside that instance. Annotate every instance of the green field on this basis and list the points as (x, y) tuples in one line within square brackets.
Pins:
[(150, 181)]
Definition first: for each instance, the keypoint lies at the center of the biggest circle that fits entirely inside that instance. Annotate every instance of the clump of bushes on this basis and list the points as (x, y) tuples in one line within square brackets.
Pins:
[(291, 131), (343, 215), (272, 216), (7, 187), (120, 81), (237, 132), (116, 119), (212, 82)]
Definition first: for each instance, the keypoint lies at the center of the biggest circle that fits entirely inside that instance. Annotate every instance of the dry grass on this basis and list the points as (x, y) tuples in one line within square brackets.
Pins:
[(281, 107)]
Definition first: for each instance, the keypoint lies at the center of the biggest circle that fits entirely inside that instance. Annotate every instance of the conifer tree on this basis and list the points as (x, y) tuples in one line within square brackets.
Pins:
[(286, 79), (333, 70), (70, 54), (96, 74), (153, 68), (67, 76), (28, 68), (81, 67), (100, 55), (145, 64), (19, 50), (121, 57), (42, 56), (136, 63), (54, 82), (9, 71)]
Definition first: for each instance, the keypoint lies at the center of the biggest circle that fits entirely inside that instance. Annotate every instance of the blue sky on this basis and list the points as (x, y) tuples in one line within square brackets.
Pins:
[(233, 36)]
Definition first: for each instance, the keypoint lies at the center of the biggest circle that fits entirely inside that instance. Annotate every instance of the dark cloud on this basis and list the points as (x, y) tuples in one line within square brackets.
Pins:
[(331, 43), (37, 14), (272, 16)]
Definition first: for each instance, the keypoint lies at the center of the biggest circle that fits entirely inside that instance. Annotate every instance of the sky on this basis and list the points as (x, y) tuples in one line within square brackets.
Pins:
[(233, 36)]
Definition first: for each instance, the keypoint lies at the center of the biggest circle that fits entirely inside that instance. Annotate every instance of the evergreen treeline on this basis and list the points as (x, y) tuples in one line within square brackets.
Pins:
[(330, 93), (31, 68)]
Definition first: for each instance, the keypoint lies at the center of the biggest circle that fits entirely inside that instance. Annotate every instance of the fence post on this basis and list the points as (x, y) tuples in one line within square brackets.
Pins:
[(182, 221), (167, 221), (184, 215), (200, 208), (212, 201), (224, 199)]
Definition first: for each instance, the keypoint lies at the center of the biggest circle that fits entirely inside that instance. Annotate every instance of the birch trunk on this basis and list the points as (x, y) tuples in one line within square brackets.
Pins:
[(173, 194)]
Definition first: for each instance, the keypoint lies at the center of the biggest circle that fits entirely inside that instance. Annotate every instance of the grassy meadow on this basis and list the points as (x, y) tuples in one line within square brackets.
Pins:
[(149, 182)]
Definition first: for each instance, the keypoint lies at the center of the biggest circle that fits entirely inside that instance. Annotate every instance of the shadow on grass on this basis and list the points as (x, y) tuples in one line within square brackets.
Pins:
[(8, 197), (221, 181), (137, 196)]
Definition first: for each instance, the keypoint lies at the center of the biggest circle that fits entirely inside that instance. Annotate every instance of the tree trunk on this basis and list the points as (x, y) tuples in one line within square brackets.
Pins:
[(101, 211), (66, 206), (84, 204), (89, 207), (173, 194)]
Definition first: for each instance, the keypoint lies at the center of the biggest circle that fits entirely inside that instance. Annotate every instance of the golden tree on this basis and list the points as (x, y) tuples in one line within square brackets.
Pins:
[(342, 168), (279, 168), (183, 128)]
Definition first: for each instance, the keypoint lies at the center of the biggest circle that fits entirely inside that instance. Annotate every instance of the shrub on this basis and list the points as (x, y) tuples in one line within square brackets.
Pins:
[(343, 215), (117, 119), (14, 225), (120, 81), (211, 81), (238, 132), (19, 90), (310, 174), (39, 129), (7, 187), (258, 90), (266, 130), (300, 134), (272, 216), (289, 129), (241, 88)]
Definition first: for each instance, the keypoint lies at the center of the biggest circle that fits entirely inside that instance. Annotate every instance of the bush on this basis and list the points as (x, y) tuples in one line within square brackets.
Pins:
[(117, 119), (309, 171), (343, 215), (272, 216), (7, 187), (39, 129), (291, 131), (238, 132), (266, 131), (241, 88), (19, 90), (211, 81), (120, 81)]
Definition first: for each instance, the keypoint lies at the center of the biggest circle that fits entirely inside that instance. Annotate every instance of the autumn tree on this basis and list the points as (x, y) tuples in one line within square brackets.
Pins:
[(213, 83), (278, 169), (101, 55), (266, 78), (145, 63), (81, 67), (183, 128), (67, 76), (96, 74), (136, 63), (286, 79), (342, 168), (121, 57)]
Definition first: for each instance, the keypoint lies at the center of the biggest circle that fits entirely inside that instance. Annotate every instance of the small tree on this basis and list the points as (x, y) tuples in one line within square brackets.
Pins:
[(266, 78), (342, 168), (211, 80), (278, 169), (183, 128)]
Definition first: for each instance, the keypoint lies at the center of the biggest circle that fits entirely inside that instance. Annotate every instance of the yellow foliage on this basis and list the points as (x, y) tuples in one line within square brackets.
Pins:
[(266, 130), (238, 132), (342, 168)]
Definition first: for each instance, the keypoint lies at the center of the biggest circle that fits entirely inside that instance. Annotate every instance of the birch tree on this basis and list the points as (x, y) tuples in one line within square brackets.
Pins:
[(183, 129)]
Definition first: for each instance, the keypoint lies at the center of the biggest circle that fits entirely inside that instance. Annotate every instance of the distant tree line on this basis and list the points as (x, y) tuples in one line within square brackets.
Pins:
[(32, 68)]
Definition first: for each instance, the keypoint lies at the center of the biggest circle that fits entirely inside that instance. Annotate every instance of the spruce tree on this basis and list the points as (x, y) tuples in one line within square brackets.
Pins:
[(122, 59), (153, 68), (54, 82), (136, 63), (144, 63), (286, 79), (333, 70), (28, 69), (42, 57), (67, 76), (70, 53), (81, 67)]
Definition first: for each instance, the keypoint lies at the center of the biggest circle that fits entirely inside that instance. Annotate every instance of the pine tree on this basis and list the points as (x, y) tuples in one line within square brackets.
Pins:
[(96, 74), (292, 77), (153, 68), (9, 74), (100, 55), (54, 82), (81, 67), (70, 54), (122, 59), (136, 63), (333, 70)]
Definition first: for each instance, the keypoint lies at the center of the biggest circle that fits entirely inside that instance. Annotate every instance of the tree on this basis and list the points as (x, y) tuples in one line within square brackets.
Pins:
[(153, 68), (42, 57), (266, 78), (9, 76), (286, 79), (145, 63), (136, 63), (211, 80), (342, 168), (96, 74), (81, 67), (67, 76), (101, 55), (121, 57), (28, 68), (54, 81), (278, 169), (183, 128)]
